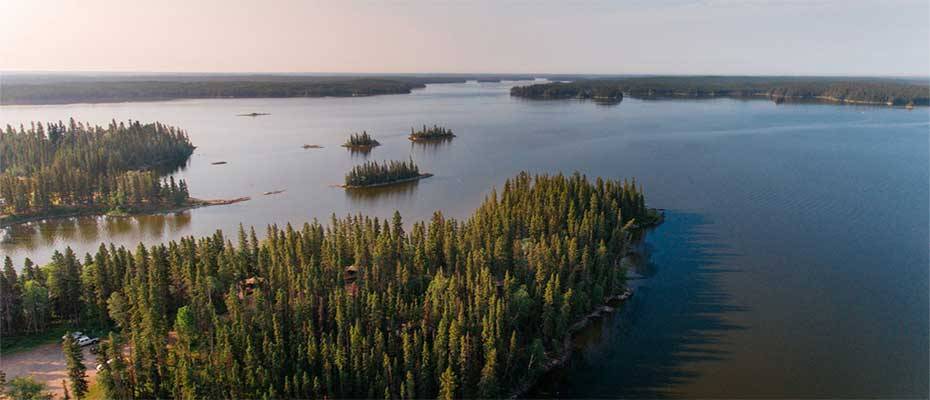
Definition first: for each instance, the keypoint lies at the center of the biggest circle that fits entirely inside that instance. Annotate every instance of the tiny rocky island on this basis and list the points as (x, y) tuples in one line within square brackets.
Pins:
[(361, 142), (374, 174), (433, 133)]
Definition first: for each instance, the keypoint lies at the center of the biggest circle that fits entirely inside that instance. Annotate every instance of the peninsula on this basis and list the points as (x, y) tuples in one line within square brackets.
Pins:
[(366, 305)]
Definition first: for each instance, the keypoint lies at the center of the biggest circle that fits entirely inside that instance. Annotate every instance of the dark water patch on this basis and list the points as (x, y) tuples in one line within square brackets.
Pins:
[(676, 319)]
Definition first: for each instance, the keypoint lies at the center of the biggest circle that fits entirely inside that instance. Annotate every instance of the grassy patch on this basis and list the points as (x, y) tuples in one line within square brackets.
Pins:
[(14, 344), (95, 392)]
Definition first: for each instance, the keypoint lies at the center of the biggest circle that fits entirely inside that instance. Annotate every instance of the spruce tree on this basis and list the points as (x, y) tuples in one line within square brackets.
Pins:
[(74, 358)]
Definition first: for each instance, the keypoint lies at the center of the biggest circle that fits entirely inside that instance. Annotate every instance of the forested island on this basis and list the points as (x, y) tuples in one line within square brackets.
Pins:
[(358, 308), (434, 132), (877, 91), (57, 169), (360, 141), (372, 174), (102, 88)]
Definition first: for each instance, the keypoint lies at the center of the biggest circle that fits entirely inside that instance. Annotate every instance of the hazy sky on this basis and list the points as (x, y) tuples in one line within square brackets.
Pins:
[(890, 37)]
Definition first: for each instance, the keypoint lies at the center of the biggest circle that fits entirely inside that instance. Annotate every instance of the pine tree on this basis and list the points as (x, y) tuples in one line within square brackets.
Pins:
[(448, 385), (74, 357)]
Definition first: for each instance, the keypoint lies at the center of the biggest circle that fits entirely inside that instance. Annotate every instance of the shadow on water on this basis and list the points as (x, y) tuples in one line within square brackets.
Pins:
[(382, 194), (360, 152), (431, 144), (675, 321)]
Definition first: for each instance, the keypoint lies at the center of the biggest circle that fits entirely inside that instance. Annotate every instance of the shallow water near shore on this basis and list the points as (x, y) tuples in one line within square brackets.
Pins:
[(792, 262)]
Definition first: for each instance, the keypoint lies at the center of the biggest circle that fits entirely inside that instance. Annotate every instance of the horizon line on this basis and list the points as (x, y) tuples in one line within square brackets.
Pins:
[(534, 74)]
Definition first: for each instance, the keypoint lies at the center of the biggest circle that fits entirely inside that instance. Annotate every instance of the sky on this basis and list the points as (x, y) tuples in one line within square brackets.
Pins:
[(721, 37)]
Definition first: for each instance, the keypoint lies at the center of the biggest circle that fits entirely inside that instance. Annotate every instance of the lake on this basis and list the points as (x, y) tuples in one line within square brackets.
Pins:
[(793, 262)]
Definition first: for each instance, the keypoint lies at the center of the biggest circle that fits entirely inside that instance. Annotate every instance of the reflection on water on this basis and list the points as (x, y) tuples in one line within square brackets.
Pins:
[(361, 152), (390, 194), (118, 226), (167, 169), (431, 144), (607, 102), (60, 233)]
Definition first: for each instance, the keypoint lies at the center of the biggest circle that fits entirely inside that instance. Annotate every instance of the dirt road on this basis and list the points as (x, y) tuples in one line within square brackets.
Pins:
[(46, 364)]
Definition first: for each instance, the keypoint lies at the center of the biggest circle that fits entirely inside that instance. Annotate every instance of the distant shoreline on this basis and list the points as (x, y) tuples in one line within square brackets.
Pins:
[(862, 91), (33, 90)]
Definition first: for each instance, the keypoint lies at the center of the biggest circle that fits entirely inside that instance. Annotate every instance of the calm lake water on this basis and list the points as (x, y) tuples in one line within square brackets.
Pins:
[(793, 263)]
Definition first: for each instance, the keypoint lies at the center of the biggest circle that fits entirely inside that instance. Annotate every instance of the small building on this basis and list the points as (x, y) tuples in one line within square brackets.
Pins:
[(350, 276), (247, 286)]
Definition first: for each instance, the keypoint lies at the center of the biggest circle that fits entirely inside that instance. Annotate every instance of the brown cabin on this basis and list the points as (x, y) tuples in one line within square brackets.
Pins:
[(350, 276), (248, 285)]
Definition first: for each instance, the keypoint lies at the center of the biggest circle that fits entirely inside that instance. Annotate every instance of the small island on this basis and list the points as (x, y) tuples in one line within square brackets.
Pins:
[(435, 132), (360, 141), (253, 114), (311, 146), (372, 174)]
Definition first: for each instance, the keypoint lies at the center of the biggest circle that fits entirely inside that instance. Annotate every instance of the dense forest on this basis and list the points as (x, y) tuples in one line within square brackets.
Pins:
[(64, 88), (359, 308), (431, 133), (55, 167), (360, 140), (840, 90), (372, 173)]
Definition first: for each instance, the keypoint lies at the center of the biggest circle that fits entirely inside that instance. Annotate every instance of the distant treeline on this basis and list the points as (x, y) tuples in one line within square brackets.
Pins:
[(570, 90), (372, 173), (45, 168), (74, 92), (54, 89), (884, 91)]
